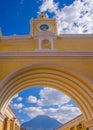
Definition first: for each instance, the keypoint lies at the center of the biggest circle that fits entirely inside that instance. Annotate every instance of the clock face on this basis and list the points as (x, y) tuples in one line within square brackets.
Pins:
[(44, 27)]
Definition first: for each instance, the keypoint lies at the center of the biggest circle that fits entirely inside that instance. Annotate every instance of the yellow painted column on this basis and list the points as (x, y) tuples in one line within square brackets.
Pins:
[(75, 127), (72, 128), (1, 126), (17, 127), (67, 129), (6, 124), (12, 127), (81, 126)]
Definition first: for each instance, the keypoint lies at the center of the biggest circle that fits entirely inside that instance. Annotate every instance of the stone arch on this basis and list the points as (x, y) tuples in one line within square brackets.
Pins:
[(75, 85)]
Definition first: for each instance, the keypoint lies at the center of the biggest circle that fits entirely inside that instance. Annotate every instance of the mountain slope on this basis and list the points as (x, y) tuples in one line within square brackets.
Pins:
[(41, 122)]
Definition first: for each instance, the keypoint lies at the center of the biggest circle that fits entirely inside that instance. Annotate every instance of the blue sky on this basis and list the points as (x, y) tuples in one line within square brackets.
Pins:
[(74, 17)]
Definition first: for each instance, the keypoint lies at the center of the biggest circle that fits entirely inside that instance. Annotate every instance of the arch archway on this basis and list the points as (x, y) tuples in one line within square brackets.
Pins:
[(75, 85)]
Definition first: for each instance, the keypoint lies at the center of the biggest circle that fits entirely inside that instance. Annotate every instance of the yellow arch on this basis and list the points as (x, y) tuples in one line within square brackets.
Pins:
[(75, 85)]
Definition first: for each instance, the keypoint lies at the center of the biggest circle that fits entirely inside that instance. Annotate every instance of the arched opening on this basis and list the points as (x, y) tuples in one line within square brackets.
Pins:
[(75, 85), (41, 100), (46, 44)]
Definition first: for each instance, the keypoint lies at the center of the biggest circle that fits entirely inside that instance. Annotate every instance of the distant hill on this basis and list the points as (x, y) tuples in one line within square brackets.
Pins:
[(41, 122)]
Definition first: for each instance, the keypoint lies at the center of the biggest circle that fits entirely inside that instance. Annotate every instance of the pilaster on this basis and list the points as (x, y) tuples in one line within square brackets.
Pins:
[(8, 124), (13, 123)]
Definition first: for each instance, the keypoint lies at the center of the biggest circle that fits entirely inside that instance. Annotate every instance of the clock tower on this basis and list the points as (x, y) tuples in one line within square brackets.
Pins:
[(43, 23), (44, 30)]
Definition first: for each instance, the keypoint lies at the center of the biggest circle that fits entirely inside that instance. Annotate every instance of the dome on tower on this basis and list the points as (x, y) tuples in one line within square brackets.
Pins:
[(42, 16)]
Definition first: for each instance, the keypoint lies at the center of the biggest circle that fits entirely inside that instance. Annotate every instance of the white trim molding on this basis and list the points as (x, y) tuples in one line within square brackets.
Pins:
[(63, 36), (46, 53)]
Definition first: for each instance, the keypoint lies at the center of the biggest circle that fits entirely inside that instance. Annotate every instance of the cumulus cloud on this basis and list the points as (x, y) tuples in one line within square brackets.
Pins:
[(51, 96), (67, 112), (19, 110), (33, 111), (75, 18), (19, 99), (62, 114), (17, 106), (32, 99), (54, 104), (49, 5)]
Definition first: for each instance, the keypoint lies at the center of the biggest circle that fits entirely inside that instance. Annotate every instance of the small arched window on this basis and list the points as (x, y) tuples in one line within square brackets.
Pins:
[(46, 44)]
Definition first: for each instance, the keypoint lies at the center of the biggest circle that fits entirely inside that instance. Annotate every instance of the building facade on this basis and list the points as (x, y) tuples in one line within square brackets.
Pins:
[(9, 120), (63, 62), (77, 123)]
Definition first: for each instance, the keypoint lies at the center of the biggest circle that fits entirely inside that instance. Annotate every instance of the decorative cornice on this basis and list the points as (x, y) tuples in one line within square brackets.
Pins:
[(46, 53), (76, 36), (63, 36), (74, 121), (16, 37), (45, 34)]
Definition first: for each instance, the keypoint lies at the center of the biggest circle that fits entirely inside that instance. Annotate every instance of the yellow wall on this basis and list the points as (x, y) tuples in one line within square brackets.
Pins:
[(1, 126), (62, 44), (18, 46), (67, 129), (8, 65), (74, 45), (74, 124)]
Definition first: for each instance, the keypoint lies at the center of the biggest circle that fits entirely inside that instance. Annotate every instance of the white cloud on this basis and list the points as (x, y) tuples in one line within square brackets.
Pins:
[(75, 18), (33, 111), (19, 110), (62, 114), (67, 112), (22, 120), (51, 96), (49, 5), (32, 99), (17, 106), (19, 99)]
